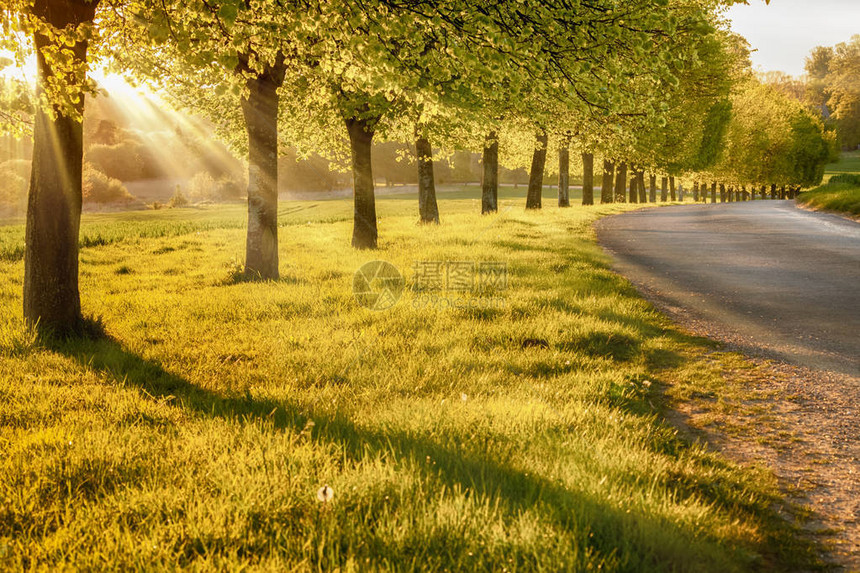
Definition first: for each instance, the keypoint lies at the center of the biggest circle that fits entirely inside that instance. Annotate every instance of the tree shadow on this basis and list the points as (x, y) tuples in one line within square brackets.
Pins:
[(641, 540)]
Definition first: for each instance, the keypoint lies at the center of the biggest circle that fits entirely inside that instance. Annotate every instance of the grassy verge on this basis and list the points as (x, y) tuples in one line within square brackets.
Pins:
[(519, 429), (839, 197)]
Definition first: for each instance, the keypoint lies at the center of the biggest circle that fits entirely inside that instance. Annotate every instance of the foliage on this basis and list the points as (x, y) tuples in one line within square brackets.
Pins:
[(844, 88), (178, 199), (203, 187), (14, 183), (101, 189), (121, 161), (774, 139), (834, 87)]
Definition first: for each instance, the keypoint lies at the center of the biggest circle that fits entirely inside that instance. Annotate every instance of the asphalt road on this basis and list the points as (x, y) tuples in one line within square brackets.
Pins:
[(763, 275)]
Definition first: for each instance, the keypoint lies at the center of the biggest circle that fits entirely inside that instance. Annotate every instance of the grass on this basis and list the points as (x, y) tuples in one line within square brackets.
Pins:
[(525, 435), (849, 162), (838, 197)]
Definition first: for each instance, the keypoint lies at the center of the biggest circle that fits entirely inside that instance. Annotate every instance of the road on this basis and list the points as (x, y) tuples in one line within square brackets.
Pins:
[(764, 275)]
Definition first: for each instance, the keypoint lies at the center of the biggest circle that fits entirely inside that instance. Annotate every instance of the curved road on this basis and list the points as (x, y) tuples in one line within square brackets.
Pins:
[(763, 275)]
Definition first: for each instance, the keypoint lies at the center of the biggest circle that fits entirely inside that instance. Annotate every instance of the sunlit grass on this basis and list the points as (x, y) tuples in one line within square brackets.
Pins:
[(526, 436)]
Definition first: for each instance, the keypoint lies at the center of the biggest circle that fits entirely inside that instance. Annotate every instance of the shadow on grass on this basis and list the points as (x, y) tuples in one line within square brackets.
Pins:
[(638, 541)]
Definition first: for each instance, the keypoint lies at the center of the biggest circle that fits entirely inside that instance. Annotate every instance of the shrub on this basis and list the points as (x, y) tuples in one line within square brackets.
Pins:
[(849, 178), (122, 161), (178, 199), (99, 188), (204, 187)]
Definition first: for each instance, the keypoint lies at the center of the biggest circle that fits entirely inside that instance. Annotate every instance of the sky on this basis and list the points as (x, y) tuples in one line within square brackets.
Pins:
[(784, 32)]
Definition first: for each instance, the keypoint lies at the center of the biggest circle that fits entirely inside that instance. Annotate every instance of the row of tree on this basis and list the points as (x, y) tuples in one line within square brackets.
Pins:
[(658, 87)]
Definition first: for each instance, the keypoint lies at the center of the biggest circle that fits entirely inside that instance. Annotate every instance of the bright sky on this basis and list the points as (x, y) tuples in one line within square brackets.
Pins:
[(785, 31)]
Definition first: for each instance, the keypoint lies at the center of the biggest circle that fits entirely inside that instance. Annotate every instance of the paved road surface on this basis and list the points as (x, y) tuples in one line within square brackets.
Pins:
[(762, 274)]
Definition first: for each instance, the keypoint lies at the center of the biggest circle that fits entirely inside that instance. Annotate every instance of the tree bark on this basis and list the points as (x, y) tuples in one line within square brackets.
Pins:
[(535, 191), (652, 191), (773, 191), (696, 192), (428, 210), (672, 188), (633, 193), (714, 192), (606, 183), (640, 185), (588, 179), (564, 173), (763, 192), (52, 300), (664, 189), (364, 231), (621, 183), (782, 192), (490, 181), (260, 111)]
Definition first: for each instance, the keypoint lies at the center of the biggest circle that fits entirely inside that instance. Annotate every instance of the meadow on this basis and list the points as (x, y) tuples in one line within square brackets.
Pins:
[(520, 429)]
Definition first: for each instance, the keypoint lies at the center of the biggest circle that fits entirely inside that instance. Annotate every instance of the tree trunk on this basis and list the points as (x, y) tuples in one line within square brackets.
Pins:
[(672, 188), (652, 188), (535, 192), (763, 192), (633, 196), (621, 183), (51, 296), (640, 184), (588, 179), (490, 181), (664, 189), (773, 191), (364, 232), (260, 111), (696, 192), (608, 180), (714, 192), (564, 173), (782, 192), (427, 207)]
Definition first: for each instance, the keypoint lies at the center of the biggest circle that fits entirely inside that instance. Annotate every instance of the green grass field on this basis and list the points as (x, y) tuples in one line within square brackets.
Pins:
[(849, 162), (522, 435), (839, 197)]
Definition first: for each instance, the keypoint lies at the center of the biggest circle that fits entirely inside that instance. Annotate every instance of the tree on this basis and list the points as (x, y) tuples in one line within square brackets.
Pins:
[(817, 67), (61, 31), (844, 89), (241, 49), (535, 190), (427, 208)]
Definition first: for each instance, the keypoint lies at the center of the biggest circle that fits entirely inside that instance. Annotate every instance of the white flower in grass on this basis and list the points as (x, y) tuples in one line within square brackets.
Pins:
[(325, 494), (463, 397)]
